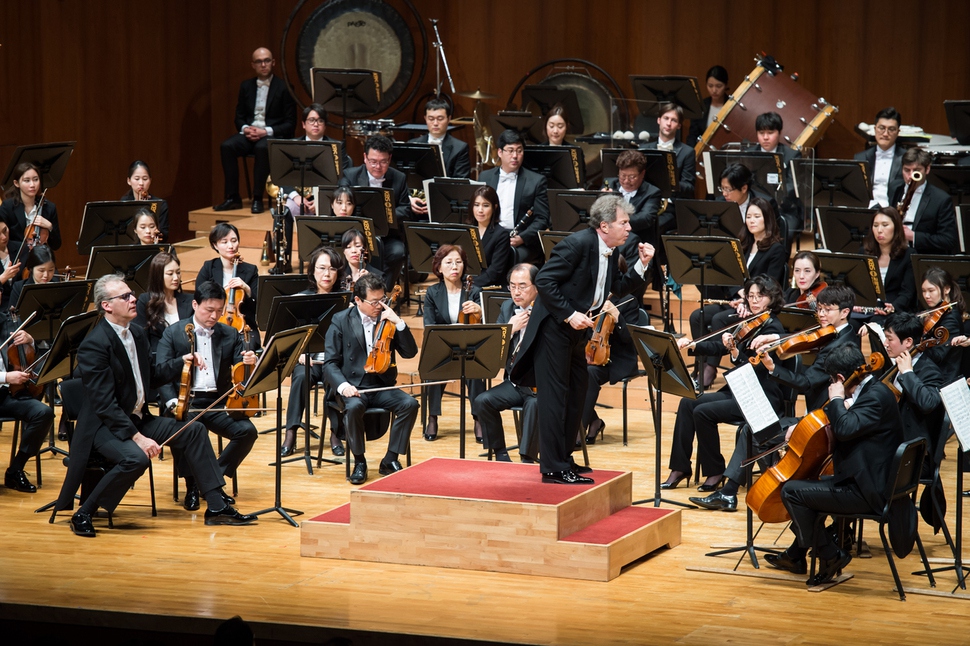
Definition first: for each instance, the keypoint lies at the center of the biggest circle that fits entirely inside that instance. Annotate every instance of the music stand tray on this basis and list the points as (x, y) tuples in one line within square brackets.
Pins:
[(419, 162), (492, 300), (269, 287), (843, 228), (313, 231), (956, 266), (708, 218), (657, 90), (50, 159), (569, 209), (424, 238), (347, 92), (463, 352), (133, 261), (766, 168), (108, 224), (304, 163), (834, 182), (549, 239), (545, 97), (660, 171), (53, 302), (373, 203), (62, 357), (857, 271), (450, 202), (705, 261), (520, 122), (560, 165)]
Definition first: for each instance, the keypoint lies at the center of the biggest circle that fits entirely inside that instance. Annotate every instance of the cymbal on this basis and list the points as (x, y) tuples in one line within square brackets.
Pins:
[(478, 94)]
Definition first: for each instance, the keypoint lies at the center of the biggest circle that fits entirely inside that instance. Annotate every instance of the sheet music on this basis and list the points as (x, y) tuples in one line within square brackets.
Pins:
[(751, 397), (956, 398)]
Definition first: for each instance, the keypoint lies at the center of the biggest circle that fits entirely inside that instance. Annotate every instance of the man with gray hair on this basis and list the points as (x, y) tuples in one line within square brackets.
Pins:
[(116, 372), (575, 287)]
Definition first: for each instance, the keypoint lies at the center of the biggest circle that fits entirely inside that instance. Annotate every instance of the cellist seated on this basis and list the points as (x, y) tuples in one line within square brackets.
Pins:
[(350, 341)]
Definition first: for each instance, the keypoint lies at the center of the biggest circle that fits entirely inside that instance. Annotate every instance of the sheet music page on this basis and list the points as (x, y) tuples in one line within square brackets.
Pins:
[(751, 397), (956, 398)]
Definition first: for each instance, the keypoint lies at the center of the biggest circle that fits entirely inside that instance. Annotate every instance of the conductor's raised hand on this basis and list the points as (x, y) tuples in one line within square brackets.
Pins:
[(647, 252)]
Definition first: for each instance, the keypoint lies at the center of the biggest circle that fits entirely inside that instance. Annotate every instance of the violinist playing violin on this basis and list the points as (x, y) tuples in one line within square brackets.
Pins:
[(939, 288), (350, 340), (24, 208), (702, 415), (807, 278), (224, 239), (217, 348), (866, 431)]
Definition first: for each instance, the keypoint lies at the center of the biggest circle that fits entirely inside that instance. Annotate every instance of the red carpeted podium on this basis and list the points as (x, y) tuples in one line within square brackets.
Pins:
[(494, 516)]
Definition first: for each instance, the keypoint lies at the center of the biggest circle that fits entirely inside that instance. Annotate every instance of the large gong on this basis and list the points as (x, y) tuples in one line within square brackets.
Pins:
[(359, 34)]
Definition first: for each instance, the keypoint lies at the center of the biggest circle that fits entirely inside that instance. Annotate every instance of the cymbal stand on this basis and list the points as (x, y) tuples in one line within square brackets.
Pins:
[(440, 59)]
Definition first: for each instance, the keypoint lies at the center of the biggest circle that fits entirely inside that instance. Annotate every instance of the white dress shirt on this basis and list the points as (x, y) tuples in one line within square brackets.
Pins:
[(204, 379), (665, 145), (259, 111), (880, 177), (506, 198), (375, 182), (126, 340)]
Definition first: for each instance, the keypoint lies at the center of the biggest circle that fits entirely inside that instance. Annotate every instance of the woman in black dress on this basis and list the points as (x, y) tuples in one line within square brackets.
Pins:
[(717, 89), (21, 209), (495, 238), (139, 183), (886, 240), (224, 239)]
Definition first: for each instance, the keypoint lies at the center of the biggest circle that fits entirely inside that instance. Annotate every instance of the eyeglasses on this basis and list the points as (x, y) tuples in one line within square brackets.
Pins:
[(885, 129), (631, 177), (314, 122), (756, 296), (262, 61), (375, 303), (127, 296), (377, 162), (725, 190), (519, 288), (513, 151)]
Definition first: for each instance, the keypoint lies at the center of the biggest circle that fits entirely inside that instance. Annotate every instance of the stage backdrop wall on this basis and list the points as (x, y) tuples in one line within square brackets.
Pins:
[(158, 80)]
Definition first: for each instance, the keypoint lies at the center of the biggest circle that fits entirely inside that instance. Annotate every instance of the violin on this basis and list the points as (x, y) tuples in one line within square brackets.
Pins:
[(240, 375), (740, 330), (469, 319), (940, 336), (598, 346), (185, 381), (234, 296), (802, 342), (33, 235), (379, 359), (20, 358), (931, 317), (807, 299), (807, 454)]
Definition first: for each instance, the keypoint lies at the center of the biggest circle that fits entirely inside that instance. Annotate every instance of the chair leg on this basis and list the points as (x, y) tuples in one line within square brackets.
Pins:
[(926, 563), (625, 416), (151, 487), (892, 562)]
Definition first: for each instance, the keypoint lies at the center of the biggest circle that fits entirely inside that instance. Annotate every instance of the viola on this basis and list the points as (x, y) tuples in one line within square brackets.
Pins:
[(931, 317), (234, 296), (185, 381), (468, 319), (20, 358), (379, 359), (598, 346), (240, 375), (802, 342), (808, 451)]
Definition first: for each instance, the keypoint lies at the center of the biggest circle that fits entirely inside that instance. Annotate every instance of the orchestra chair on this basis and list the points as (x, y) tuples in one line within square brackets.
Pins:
[(377, 421), (903, 483), (175, 476), (931, 482)]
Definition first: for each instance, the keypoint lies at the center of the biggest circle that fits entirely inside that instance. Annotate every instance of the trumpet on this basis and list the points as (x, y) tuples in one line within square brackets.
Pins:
[(916, 180)]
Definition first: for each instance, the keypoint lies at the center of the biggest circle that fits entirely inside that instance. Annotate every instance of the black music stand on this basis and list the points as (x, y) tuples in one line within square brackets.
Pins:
[(657, 90), (269, 287), (546, 97), (314, 311), (133, 261), (275, 364), (660, 170), (373, 203), (419, 162), (956, 266), (843, 228), (560, 165), (463, 352), (304, 163), (313, 231), (666, 373), (108, 224), (53, 303), (521, 122), (424, 238), (450, 201), (834, 182), (958, 119), (569, 210), (767, 169), (492, 301), (50, 160), (794, 319), (347, 92), (708, 218), (955, 180), (858, 272), (549, 239)]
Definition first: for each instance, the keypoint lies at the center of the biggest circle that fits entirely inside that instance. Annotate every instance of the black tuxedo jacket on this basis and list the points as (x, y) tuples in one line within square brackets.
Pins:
[(714, 347), (436, 303), (455, 154), (646, 204), (498, 256), (813, 381), (346, 351), (866, 438), (212, 270), (895, 170), (684, 163), (567, 284), (921, 406), (159, 209), (773, 261), (935, 222), (505, 314), (530, 193), (183, 301), (12, 213), (393, 179), (900, 285), (280, 107), (227, 349)]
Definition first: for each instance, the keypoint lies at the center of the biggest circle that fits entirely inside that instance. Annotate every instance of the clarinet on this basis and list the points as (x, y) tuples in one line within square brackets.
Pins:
[(523, 223)]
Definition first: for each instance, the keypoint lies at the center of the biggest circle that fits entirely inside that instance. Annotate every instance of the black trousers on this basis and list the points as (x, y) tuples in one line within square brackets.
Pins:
[(435, 393), (561, 379), (760, 442), (238, 146), (296, 405), (712, 317), (598, 375), (808, 500), (37, 419), (405, 409), (241, 434), (700, 417), (488, 406)]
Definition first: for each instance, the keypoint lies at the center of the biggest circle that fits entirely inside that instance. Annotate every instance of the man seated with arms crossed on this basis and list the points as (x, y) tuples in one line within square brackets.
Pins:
[(519, 191), (488, 406), (115, 369), (218, 347), (930, 221), (866, 435), (835, 304), (670, 119), (349, 342), (885, 159), (454, 152)]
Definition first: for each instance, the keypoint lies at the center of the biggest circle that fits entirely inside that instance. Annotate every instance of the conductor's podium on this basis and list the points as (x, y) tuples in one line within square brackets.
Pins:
[(494, 516)]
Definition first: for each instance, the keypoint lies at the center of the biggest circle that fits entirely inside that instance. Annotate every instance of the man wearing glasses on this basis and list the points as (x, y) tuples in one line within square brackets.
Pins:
[(885, 159), (265, 110), (350, 340), (116, 372)]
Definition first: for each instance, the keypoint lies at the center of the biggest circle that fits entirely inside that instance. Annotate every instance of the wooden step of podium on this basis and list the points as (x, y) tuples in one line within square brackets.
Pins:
[(493, 516)]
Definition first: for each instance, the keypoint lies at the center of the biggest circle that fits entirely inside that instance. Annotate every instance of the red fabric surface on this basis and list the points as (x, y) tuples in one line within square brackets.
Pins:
[(621, 523), (339, 514)]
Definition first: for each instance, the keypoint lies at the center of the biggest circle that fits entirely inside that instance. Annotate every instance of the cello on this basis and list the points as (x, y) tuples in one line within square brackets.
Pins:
[(240, 375), (234, 296), (379, 359)]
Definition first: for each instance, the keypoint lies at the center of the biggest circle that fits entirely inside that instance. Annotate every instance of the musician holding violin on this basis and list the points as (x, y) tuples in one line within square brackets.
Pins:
[(26, 206), (144, 226), (217, 348), (938, 288), (230, 271), (41, 268), (807, 279), (350, 341), (354, 245), (139, 183), (866, 435), (9, 270)]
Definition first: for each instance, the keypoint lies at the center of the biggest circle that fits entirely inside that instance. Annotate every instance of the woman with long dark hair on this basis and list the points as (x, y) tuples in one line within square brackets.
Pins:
[(21, 210), (886, 240), (484, 214), (164, 303)]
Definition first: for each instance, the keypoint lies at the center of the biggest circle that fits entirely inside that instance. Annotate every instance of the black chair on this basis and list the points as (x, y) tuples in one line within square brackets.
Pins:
[(376, 423)]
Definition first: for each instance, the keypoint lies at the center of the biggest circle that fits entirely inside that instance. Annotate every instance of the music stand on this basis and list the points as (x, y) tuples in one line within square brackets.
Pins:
[(660, 171), (843, 228), (549, 239), (569, 210), (314, 311), (419, 162), (133, 261), (958, 118), (794, 319), (956, 266), (424, 239), (666, 373), (347, 92), (767, 169), (521, 122), (492, 301), (313, 231), (546, 97), (654, 91), (463, 352), (708, 218), (275, 364), (304, 163), (50, 160), (269, 287), (373, 203), (955, 180), (53, 303), (108, 224), (834, 182), (560, 165), (450, 202), (858, 272)]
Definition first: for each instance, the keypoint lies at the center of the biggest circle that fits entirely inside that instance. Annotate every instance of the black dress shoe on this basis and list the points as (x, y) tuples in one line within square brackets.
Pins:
[(81, 525), (289, 441), (359, 476), (566, 477), (231, 204), (502, 457), (191, 500), (257, 206), (672, 484), (711, 487), (828, 568), (17, 479), (226, 498), (228, 516), (478, 432), (784, 561), (338, 450), (596, 427), (525, 459), (580, 469), (431, 430), (387, 468), (716, 501)]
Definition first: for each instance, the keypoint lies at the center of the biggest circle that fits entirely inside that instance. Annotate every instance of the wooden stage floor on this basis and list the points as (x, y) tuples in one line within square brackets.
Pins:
[(172, 574)]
